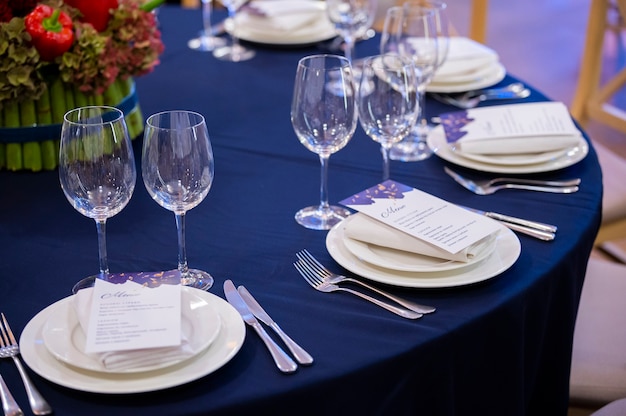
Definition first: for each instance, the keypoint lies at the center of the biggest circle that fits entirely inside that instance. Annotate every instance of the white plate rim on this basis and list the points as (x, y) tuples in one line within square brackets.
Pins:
[(364, 251), (440, 147), (228, 342), (319, 32), (59, 330), (513, 160), (489, 79), (508, 250)]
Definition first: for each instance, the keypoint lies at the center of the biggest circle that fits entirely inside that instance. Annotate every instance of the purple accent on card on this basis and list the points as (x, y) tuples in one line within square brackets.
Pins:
[(386, 190), (146, 279), (453, 123)]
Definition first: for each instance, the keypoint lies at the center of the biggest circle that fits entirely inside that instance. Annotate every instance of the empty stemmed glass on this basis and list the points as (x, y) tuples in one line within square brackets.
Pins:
[(233, 52), (352, 18), (206, 41), (387, 101), (177, 170), (443, 43), (324, 118), (411, 32), (96, 170)]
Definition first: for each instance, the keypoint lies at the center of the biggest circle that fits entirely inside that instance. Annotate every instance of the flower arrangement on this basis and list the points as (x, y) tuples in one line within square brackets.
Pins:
[(56, 55)]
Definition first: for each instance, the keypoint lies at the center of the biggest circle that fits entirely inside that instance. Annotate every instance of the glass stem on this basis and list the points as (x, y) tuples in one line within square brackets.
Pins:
[(206, 18), (102, 246), (324, 184), (232, 9), (349, 48), (421, 124), (384, 149), (182, 250)]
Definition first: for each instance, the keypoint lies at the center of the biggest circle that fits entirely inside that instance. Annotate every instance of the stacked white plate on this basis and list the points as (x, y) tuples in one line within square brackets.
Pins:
[(283, 22), (400, 268), (469, 65), (52, 344)]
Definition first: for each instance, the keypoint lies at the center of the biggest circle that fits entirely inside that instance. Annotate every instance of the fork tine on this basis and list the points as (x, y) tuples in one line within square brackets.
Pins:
[(8, 330), (313, 274), (4, 341), (313, 263), (303, 273)]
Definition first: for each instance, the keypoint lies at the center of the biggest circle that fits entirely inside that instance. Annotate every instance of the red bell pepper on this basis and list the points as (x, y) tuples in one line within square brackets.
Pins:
[(95, 12), (50, 30)]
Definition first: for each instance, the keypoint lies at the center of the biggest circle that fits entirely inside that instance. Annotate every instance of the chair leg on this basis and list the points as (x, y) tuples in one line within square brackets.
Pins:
[(478, 22), (589, 77)]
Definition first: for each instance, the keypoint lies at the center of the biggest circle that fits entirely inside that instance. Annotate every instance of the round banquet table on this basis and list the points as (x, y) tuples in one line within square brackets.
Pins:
[(502, 346)]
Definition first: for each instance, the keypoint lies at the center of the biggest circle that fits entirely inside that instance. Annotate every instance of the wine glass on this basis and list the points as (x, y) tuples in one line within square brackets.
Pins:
[(177, 170), (96, 170), (233, 52), (352, 18), (206, 41), (324, 118), (411, 32), (443, 41), (387, 101)]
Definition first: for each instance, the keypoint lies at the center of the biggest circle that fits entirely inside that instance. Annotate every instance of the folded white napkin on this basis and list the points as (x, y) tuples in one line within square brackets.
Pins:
[(364, 228), (511, 129), (465, 56), (516, 145), (129, 359), (281, 15)]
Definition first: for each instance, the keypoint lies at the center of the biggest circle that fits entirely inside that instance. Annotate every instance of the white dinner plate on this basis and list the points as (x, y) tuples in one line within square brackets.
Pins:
[(393, 259), (320, 29), (484, 80), (65, 338), (508, 249), (437, 142), (514, 159), (228, 342), (485, 70)]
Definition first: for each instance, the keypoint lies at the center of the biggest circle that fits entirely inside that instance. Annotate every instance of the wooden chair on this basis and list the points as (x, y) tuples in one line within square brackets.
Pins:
[(591, 100), (598, 373), (478, 21)]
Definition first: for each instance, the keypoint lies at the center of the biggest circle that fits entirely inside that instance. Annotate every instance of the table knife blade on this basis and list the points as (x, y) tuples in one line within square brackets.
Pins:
[(282, 360), (298, 352), (519, 224)]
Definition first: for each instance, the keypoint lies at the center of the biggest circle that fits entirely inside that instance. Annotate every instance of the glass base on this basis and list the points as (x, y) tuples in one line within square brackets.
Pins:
[(206, 43), (197, 279), (85, 283), (316, 218), (233, 53)]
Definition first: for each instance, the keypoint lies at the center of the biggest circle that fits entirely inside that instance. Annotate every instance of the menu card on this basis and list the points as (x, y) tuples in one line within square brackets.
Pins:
[(508, 121), (422, 215), (135, 310)]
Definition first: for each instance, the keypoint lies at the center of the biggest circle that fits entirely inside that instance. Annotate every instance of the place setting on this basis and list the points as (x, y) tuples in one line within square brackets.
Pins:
[(280, 22), (404, 237), (515, 138), (131, 332)]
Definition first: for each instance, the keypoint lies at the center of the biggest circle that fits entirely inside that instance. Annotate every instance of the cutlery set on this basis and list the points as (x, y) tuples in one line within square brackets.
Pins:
[(320, 278), (10, 348), (250, 310), (471, 99)]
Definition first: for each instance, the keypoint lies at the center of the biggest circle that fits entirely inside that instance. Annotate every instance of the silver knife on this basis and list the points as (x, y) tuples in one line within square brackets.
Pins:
[(282, 360), (519, 224), (298, 352)]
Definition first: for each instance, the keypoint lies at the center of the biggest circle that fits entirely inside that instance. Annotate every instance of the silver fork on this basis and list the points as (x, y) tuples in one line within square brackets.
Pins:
[(319, 284), (488, 187), (10, 348), (330, 277), (9, 405)]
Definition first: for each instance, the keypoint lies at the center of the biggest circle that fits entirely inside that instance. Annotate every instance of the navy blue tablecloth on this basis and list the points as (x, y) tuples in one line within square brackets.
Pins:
[(500, 347)]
